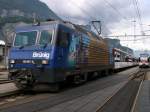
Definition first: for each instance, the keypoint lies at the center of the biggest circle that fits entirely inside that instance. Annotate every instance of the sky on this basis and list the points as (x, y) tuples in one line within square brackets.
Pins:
[(117, 17)]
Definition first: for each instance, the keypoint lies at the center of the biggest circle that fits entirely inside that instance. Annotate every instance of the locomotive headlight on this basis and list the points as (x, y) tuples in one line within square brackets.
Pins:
[(26, 61), (44, 62), (12, 61), (33, 62)]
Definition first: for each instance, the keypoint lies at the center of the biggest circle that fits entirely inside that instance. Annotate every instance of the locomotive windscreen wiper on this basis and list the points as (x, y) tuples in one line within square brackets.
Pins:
[(21, 47), (45, 45)]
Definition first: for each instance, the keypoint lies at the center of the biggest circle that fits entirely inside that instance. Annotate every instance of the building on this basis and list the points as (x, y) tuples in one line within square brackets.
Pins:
[(115, 43), (3, 58)]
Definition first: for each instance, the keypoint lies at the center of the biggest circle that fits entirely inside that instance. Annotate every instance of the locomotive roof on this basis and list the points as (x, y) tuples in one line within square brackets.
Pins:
[(70, 25), (34, 25)]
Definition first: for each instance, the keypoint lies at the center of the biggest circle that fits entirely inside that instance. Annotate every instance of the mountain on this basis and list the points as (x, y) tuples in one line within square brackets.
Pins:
[(13, 12), (26, 8)]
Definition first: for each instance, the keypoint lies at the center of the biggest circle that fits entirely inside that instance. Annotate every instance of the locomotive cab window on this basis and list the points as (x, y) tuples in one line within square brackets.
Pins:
[(25, 38), (63, 38), (46, 37)]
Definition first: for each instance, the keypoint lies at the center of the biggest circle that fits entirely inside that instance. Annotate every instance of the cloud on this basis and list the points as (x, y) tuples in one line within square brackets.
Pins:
[(83, 11), (116, 15)]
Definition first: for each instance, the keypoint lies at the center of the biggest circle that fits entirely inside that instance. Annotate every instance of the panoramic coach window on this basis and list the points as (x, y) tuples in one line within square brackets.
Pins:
[(46, 37), (25, 38), (63, 39)]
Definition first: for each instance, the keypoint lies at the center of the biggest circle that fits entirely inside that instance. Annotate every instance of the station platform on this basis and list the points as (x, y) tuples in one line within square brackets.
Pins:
[(143, 101), (4, 72), (4, 75), (6, 89)]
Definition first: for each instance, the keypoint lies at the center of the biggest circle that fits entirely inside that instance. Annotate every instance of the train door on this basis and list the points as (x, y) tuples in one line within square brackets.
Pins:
[(79, 50), (74, 50), (62, 44)]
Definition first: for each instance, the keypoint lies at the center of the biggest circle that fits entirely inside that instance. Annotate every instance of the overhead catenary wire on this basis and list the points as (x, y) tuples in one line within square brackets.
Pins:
[(95, 10), (127, 20), (93, 17), (71, 18), (138, 13), (83, 10), (116, 10), (137, 39)]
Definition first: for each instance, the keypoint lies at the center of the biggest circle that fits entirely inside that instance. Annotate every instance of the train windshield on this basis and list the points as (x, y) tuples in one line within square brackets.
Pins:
[(46, 37), (25, 38)]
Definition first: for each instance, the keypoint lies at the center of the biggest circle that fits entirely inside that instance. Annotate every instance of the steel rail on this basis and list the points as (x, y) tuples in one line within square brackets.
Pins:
[(5, 81)]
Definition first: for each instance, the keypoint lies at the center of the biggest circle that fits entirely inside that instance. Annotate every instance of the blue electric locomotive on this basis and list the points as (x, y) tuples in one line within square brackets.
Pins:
[(55, 51)]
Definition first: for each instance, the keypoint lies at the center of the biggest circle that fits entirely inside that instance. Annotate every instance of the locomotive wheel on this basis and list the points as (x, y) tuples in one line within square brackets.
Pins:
[(21, 86), (55, 87), (103, 73), (85, 77), (82, 78), (95, 74), (24, 80), (77, 79)]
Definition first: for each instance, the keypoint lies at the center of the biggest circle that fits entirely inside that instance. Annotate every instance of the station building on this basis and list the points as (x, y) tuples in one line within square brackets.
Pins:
[(3, 63)]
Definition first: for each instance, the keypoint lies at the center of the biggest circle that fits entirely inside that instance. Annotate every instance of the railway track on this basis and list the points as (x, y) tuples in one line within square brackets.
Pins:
[(124, 99), (52, 100), (4, 81)]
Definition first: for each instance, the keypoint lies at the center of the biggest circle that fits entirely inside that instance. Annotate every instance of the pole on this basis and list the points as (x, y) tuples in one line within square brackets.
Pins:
[(6, 54), (134, 29), (5, 49)]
